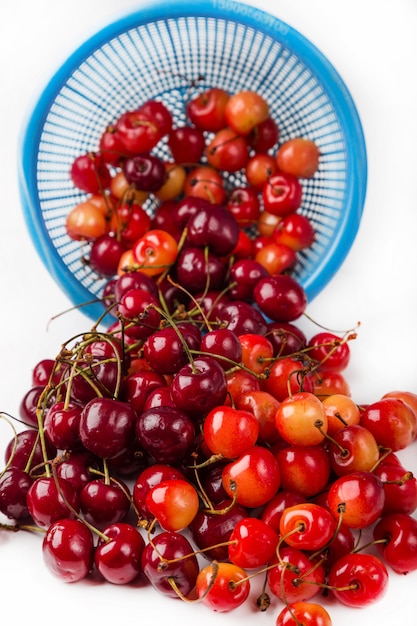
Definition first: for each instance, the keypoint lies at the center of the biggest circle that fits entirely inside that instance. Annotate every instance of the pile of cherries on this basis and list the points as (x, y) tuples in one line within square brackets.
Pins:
[(194, 436)]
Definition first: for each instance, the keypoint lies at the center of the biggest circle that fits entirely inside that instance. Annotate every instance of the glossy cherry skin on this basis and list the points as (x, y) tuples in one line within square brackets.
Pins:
[(288, 375), (301, 420), (254, 478), (68, 550), (364, 573), (118, 556), (165, 433), (213, 226), (75, 468), (263, 405), (400, 487), (195, 269), (170, 557), (216, 590), (211, 531), (138, 385), (187, 144), (224, 345), (199, 387), (244, 204), (286, 338), (107, 426), (45, 503), (26, 446), (104, 503), (241, 317), (280, 297), (392, 422), (206, 110), (282, 194), (252, 543), (272, 512), (149, 477), (293, 577), (304, 469), (353, 448), (307, 526), (306, 613), (105, 254), (28, 405), (165, 350), (229, 432), (61, 424), (398, 533), (174, 503), (14, 485), (330, 351), (243, 276), (359, 497)]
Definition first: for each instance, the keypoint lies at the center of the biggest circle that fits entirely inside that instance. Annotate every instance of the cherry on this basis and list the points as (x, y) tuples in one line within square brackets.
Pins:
[(341, 411), (222, 586), (199, 386), (263, 406), (159, 113), (264, 136), (257, 352), (110, 146), (298, 156), (174, 503), (150, 476), (44, 372), (240, 382), (146, 172), (138, 309), (224, 345), (165, 433), (170, 564), (301, 420), (61, 424), (90, 173), (14, 485), (187, 144), (245, 110), (49, 501), (229, 432), (244, 204), (253, 478), (24, 450), (282, 194), (259, 168), (119, 552), (103, 503), (293, 576), (243, 276), (304, 469), (306, 613), (198, 269), (165, 351), (205, 182), (353, 448), (138, 132), (138, 386), (252, 543), (75, 467), (129, 222), (358, 579), (395, 535), (272, 512), (281, 298), (105, 254), (213, 226), (294, 230), (134, 280), (329, 351), (286, 338), (107, 426), (287, 375), (358, 497), (68, 550), (400, 488), (276, 258), (392, 422), (307, 526), (211, 529), (241, 317), (206, 110), (29, 404), (227, 151)]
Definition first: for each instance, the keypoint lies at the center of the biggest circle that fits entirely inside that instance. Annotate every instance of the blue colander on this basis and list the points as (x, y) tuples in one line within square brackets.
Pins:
[(154, 53)]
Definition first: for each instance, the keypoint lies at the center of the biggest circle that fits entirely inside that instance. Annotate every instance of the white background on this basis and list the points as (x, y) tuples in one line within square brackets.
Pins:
[(373, 45)]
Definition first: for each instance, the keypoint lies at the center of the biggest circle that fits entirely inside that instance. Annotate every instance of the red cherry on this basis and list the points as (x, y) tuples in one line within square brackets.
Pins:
[(230, 432), (68, 550), (252, 543), (222, 586), (358, 579), (396, 537)]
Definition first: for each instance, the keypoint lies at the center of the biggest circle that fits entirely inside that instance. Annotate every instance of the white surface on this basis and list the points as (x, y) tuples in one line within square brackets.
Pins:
[(373, 45)]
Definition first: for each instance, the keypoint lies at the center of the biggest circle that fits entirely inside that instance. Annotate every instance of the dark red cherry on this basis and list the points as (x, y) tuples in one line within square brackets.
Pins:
[(286, 338), (280, 297), (165, 433), (187, 144), (196, 269), (104, 503), (26, 446), (14, 485), (150, 477), (145, 172), (107, 426), (68, 550), (49, 500), (119, 552), (105, 254), (242, 318), (61, 424), (244, 275), (170, 556), (199, 386), (213, 226)]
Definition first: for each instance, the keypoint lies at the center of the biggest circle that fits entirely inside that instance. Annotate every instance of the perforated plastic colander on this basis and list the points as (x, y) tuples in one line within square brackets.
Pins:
[(154, 53)]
